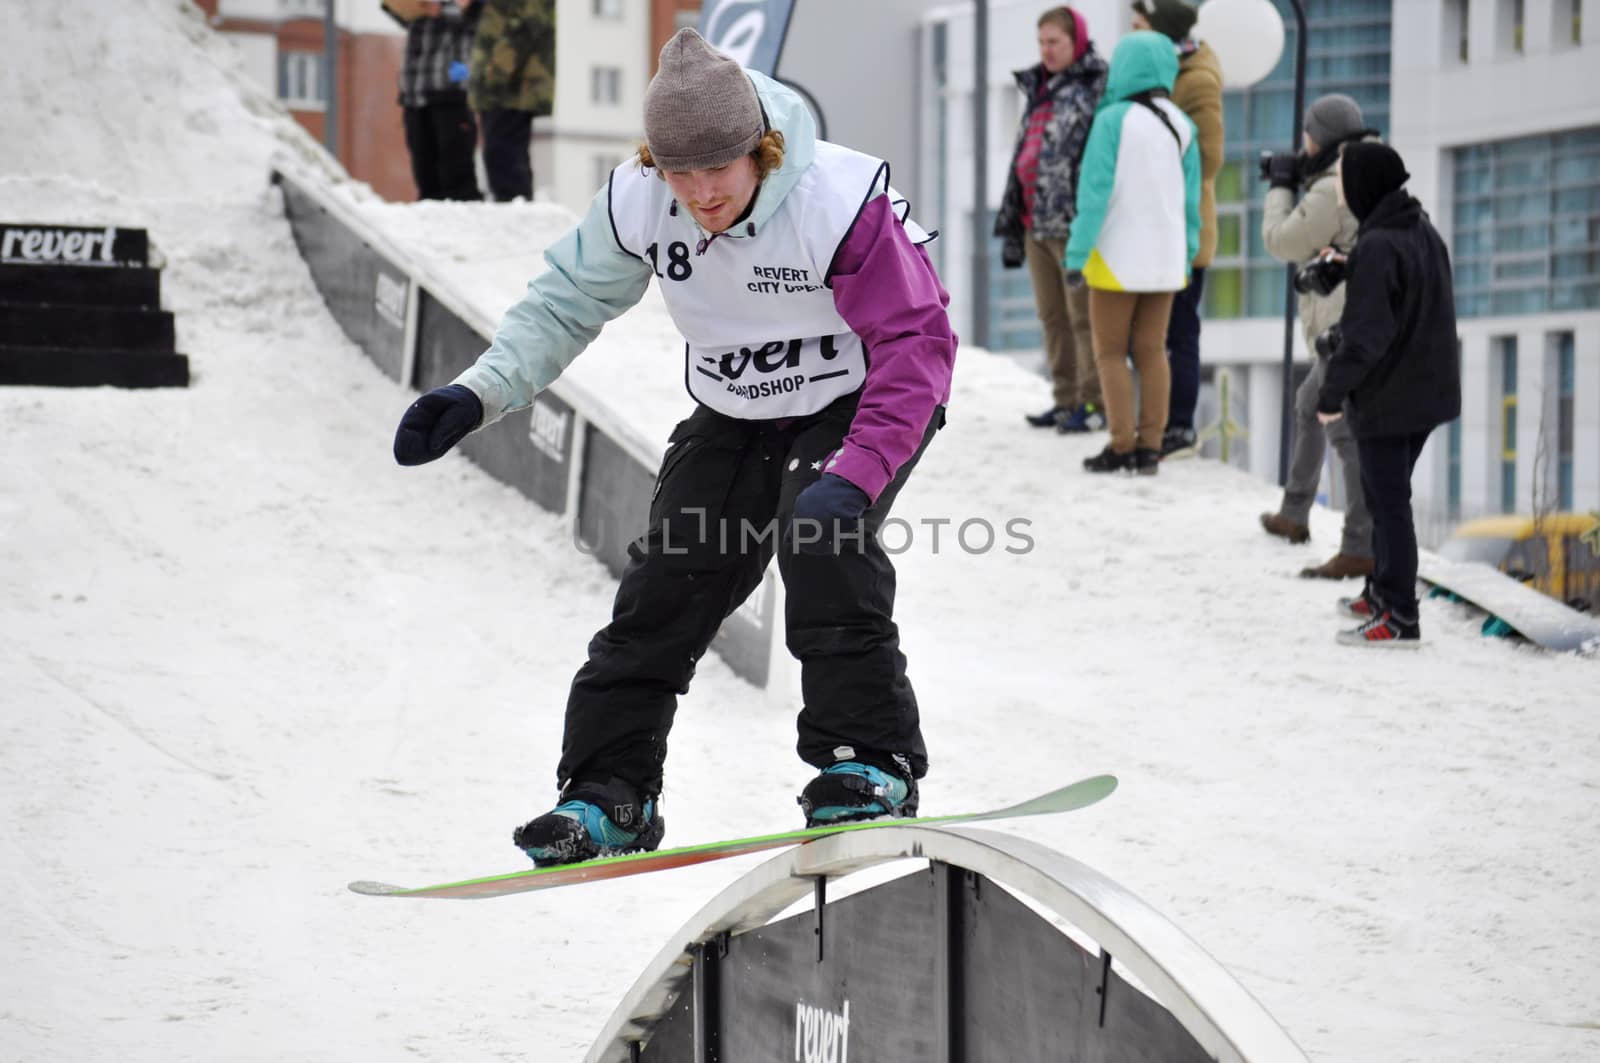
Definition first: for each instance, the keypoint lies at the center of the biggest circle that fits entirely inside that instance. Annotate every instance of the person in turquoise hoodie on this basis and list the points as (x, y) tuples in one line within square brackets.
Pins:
[(1136, 231)]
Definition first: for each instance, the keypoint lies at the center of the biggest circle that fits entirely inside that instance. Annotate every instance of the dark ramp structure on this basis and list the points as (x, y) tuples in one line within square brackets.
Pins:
[(80, 306)]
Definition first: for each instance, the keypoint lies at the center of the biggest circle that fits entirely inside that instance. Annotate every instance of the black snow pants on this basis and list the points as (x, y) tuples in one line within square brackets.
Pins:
[(722, 508)]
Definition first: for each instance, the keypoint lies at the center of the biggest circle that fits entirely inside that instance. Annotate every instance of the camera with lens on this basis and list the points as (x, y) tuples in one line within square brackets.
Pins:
[(1320, 276), (1280, 168), (1328, 342)]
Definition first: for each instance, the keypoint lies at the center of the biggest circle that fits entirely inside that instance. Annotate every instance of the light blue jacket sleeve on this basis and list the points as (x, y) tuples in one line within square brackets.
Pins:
[(1191, 192), (591, 280), (1097, 174)]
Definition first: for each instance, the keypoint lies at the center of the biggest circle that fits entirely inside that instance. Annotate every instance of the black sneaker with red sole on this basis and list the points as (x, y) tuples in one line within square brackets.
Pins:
[(1384, 631)]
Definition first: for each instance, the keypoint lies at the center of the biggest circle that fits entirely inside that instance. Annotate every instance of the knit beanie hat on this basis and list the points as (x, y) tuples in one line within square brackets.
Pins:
[(700, 110), (1333, 118), (1370, 171), (1175, 18)]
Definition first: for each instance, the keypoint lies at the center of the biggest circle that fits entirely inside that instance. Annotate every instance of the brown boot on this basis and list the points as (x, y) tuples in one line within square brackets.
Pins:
[(1284, 528), (1339, 566)]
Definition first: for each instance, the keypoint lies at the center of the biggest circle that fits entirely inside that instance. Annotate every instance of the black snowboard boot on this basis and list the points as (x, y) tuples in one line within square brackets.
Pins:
[(593, 820), (851, 790)]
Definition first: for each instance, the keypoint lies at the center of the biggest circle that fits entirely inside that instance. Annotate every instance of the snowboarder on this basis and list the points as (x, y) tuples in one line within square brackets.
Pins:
[(819, 354)]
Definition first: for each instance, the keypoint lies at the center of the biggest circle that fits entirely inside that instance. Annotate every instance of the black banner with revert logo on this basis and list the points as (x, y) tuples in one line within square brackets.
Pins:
[(22, 244)]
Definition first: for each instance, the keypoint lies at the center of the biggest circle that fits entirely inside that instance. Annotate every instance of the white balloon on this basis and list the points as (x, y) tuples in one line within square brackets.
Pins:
[(1247, 36)]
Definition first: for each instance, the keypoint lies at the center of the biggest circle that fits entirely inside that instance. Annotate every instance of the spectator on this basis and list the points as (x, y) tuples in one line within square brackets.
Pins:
[(513, 81), (1395, 373), (1198, 93), (797, 447), (1136, 231), (1295, 233), (1060, 94), (440, 132)]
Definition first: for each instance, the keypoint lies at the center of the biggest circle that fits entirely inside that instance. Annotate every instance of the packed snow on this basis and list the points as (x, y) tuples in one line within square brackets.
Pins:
[(246, 659)]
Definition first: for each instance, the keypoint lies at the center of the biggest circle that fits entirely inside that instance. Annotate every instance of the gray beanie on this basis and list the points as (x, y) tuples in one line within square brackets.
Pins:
[(700, 110), (1333, 118)]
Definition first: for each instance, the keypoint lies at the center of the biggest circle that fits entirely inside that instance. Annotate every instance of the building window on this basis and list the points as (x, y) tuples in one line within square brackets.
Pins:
[(603, 165), (1526, 225), (1508, 26), (1505, 357), (1564, 371), (1566, 23), (611, 9), (1348, 51), (1013, 314), (1455, 31), (605, 84), (300, 81)]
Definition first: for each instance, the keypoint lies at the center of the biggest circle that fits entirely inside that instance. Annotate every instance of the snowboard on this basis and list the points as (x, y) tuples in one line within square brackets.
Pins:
[(1078, 795), (1525, 611)]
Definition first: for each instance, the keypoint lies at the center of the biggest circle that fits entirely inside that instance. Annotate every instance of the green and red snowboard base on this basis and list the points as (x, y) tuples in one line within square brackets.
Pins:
[(1078, 795)]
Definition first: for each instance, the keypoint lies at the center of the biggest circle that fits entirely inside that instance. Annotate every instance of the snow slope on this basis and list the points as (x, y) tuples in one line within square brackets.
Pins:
[(244, 658)]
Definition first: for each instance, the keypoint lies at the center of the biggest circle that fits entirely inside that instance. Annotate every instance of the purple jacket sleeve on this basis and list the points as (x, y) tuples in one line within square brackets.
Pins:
[(885, 288)]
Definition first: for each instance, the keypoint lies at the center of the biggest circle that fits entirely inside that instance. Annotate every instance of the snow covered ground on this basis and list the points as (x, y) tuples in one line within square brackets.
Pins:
[(244, 658)]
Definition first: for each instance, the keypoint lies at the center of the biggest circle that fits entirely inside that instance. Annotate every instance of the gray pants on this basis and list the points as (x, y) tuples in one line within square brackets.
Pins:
[(1305, 467)]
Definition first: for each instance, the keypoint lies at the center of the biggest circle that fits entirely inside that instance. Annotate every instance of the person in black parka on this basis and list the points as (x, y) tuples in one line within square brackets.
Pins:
[(1395, 373)]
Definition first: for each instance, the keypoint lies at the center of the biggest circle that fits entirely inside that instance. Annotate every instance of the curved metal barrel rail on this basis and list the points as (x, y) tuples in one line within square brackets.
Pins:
[(1219, 1019)]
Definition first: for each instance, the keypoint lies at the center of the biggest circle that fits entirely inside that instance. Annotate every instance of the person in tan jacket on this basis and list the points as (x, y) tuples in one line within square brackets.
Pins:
[(1298, 233), (1198, 93)]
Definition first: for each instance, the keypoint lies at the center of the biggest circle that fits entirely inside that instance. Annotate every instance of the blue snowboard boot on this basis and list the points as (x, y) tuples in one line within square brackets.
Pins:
[(851, 790), (592, 820)]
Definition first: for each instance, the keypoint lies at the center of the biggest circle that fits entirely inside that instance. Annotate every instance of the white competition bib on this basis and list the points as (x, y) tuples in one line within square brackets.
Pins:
[(764, 339)]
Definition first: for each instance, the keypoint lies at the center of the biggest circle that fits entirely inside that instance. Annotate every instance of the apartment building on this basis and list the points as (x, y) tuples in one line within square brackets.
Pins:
[(282, 44)]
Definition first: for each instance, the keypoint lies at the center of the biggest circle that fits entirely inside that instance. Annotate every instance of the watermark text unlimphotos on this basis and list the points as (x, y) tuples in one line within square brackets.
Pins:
[(894, 536)]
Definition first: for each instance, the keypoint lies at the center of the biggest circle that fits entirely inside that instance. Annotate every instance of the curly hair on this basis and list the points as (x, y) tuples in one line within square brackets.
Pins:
[(767, 155)]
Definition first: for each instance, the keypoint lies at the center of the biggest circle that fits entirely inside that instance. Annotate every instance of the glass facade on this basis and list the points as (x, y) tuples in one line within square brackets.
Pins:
[(1526, 224), (1348, 43)]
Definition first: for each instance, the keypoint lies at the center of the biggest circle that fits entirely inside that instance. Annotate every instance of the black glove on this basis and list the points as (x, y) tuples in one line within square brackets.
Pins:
[(436, 422), (827, 515), (1075, 279), (1012, 254), (1281, 170)]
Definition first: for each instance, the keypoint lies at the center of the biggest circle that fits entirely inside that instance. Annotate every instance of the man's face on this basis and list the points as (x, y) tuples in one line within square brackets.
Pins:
[(718, 196), (1140, 22), (1055, 47)]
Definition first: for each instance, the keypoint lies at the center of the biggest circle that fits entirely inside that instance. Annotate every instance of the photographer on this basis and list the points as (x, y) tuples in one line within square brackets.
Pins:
[(1394, 377), (1295, 233)]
